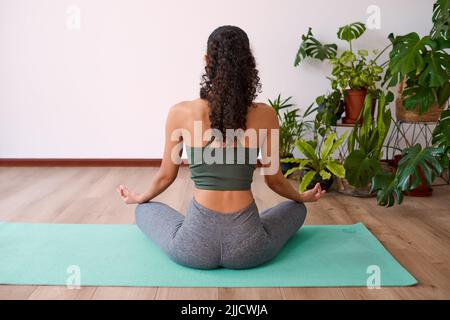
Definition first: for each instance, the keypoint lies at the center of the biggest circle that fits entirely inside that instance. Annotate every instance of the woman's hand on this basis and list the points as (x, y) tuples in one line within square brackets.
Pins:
[(128, 196), (312, 195)]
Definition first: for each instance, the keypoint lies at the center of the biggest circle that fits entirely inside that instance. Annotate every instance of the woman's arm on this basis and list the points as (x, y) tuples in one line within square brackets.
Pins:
[(168, 171), (270, 154)]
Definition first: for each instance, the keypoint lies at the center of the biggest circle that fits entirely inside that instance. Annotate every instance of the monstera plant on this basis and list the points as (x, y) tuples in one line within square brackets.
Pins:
[(366, 141), (417, 167), (441, 19), (313, 48), (423, 63), (319, 166), (441, 133)]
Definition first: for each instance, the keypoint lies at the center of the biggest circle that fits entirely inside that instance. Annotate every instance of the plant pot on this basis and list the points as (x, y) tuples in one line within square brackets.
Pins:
[(286, 166), (354, 103), (423, 190), (324, 184), (394, 162), (344, 187), (431, 115)]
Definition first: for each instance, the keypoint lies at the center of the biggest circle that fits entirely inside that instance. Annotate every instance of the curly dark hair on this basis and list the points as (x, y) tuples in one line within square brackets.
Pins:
[(230, 82)]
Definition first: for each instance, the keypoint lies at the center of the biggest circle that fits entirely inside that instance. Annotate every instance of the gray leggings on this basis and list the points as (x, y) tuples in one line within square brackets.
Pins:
[(206, 239)]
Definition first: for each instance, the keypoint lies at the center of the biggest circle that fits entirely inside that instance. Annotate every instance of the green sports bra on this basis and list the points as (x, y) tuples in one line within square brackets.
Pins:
[(229, 168)]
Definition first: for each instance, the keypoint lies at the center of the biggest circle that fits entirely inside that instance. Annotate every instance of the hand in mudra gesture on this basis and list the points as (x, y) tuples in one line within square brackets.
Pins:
[(128, 196), (313, 194)]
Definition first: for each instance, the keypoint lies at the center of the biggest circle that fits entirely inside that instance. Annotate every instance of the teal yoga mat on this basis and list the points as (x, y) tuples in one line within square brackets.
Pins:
[(120, 255)]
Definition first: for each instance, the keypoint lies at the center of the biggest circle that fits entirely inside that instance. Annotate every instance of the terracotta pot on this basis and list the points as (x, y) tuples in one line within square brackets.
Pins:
[(354, 103), (394, 162), (423, 190), (431, 115), (344, 187)]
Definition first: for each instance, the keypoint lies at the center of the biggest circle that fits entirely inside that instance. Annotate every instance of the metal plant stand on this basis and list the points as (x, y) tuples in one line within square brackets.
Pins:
[(402, 134), (406, 134), (419, 132)]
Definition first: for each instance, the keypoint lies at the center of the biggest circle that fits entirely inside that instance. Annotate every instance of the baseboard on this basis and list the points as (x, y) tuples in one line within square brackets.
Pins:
[(67, 162)]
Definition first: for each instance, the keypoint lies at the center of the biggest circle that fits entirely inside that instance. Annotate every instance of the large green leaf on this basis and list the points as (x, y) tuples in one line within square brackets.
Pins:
[(436, 71), (327, 145), (416, 96), (442, 43), (335, 168), (313, 48), (359, 168), (305, 163), (392, 78), (291, 171), (306, 149), (307, 178), (441, 19), (384, 118), (325, 174), (425, 64), (414, 158), (338, 142), (441, 133), (371, 133), (407, 53), (443, 94), (365, 130), (351, 31), (386, 187), (290, 160)]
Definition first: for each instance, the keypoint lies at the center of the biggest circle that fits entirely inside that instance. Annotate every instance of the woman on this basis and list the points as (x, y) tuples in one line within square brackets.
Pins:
[(222, 227)]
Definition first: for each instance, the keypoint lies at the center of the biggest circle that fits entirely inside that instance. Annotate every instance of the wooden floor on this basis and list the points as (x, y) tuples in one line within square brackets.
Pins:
[(416, 233)]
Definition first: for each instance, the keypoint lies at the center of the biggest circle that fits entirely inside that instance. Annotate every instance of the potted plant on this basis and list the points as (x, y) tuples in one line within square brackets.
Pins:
[(329, 109), (417, 168), (365, 146), (291, 128), (318, 166), (353, 73), (420, 66)]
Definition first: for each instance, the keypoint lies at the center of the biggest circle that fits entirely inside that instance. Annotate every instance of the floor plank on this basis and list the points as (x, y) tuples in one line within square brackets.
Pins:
[(250, 293), (187, 293)]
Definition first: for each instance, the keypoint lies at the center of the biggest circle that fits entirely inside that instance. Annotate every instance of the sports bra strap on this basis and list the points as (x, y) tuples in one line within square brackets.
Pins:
[(211, 140)]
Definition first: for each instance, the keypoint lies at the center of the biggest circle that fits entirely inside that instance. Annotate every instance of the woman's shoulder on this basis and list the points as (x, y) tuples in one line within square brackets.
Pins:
[(184, 113), (261, 110), (189, 106), (185, 108)]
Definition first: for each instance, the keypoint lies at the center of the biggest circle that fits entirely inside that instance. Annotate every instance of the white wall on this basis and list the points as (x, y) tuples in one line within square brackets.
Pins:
[(103, 91)]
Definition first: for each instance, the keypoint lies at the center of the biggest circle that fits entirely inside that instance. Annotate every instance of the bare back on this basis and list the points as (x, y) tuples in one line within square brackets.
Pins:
[(258, 117)]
